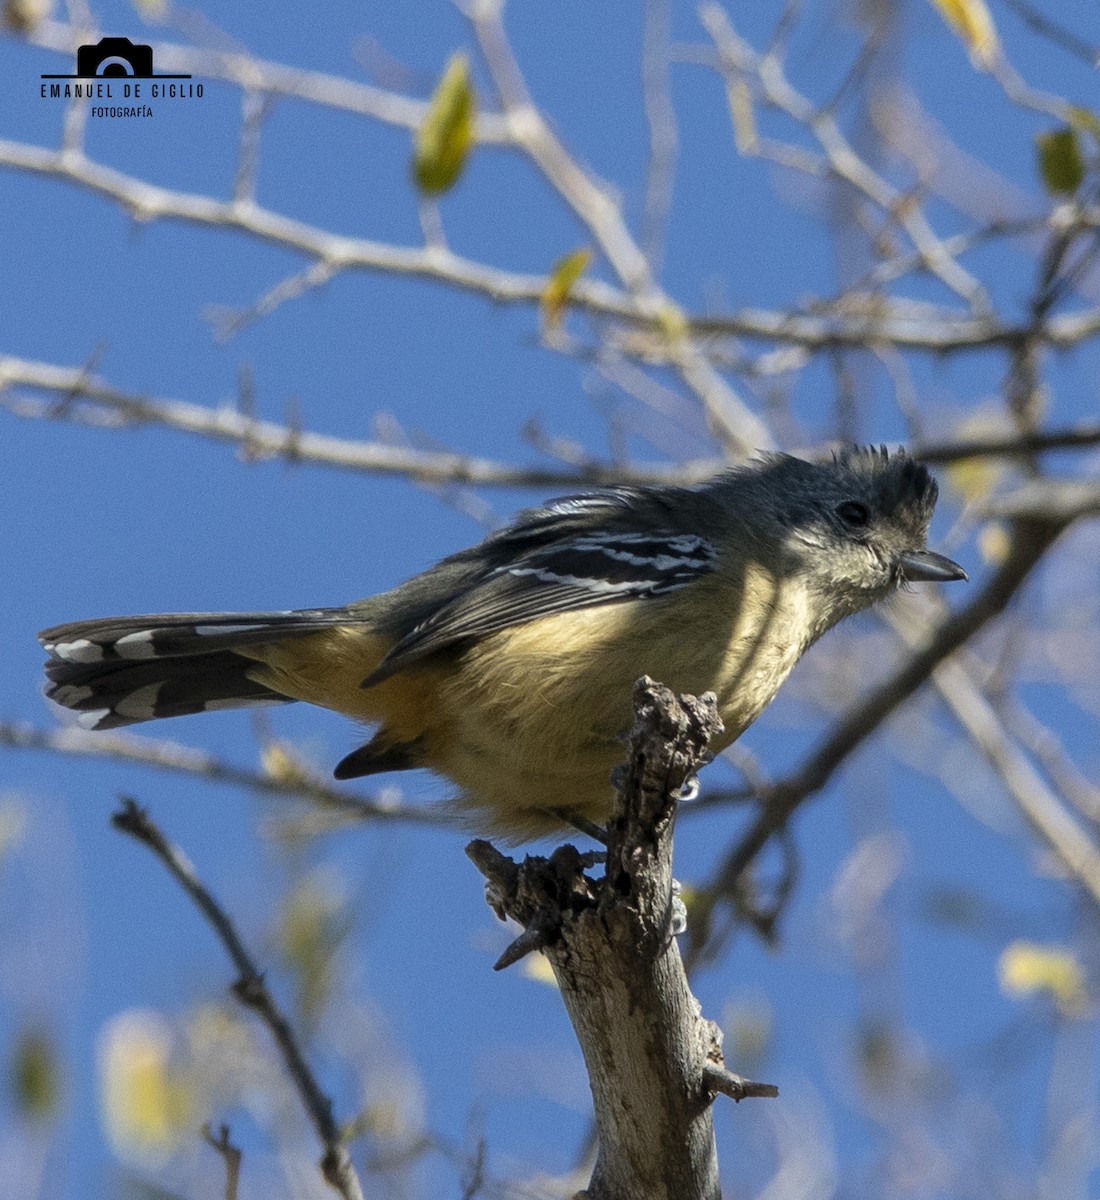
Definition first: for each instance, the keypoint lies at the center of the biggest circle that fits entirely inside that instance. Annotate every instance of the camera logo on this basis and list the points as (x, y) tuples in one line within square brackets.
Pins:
[(114, 56), (117, 77)]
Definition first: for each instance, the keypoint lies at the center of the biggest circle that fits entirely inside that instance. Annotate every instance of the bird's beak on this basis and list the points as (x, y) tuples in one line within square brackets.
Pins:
[(926, 566)]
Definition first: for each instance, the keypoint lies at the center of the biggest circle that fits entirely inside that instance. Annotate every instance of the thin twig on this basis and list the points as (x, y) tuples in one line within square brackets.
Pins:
[(737, 428), (720, 1079), (663, 136), (1044, 745), (1040, 805), (767, 76), (278, 80), (164, 755), (252, 992), (1011, 443), (231, 1156), (105, 404), (1043, 24)]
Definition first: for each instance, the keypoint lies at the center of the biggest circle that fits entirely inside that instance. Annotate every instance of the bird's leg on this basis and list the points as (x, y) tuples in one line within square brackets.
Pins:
[(581, 823)]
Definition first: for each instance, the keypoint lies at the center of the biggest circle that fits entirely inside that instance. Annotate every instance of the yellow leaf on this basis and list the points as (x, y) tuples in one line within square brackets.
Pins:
[(994, 543), (674, 325), (446, 134), (1061, 165), (1027, 967), (314, 919), (279, 762), (147, 1105), (972, 21), (975, 477), (567, 270)]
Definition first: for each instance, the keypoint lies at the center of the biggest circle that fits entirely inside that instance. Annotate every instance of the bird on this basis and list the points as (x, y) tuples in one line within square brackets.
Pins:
[(508, 668)]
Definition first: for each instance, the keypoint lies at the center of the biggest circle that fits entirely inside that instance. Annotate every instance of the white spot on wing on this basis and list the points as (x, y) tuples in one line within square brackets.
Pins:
[(591, 585), (69, 695), (136, 645), (81, 650), (92, 718)]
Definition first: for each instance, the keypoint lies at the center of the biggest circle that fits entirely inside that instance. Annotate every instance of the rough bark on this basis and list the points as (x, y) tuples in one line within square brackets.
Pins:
[(654, 1062)]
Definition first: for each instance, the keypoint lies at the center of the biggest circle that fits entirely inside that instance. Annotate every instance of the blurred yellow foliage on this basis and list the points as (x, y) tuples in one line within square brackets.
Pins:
[(748, 1024), (279, 761), (565, 273), (994, 543), (446, 134), (313, 922), (147, 1104), (1028, 967), (972, 21)]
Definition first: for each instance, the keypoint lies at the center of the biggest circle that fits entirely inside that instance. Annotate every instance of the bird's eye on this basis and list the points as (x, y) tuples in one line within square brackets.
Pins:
[(853, 513)]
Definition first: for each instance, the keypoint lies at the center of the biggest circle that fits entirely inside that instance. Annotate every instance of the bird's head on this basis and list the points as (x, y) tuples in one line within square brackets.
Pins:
[(854, 527)]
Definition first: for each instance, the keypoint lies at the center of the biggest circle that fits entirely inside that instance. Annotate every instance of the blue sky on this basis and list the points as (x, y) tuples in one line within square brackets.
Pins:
[(145, 520)]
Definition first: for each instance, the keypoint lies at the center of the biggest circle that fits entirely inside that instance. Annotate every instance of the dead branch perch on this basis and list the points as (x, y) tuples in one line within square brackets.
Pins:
[(654, 1062)]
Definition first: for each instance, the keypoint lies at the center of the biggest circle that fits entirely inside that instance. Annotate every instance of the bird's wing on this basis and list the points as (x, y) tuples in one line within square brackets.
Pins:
[(555, 560)]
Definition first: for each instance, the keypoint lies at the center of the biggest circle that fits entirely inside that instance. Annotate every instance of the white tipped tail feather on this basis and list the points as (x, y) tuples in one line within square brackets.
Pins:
[(123, 670)]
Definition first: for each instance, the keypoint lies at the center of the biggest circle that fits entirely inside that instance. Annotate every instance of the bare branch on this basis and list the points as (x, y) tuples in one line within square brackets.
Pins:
[(587, 197), (186, 760), (1042, 807), (1010, 444), (110, 406), (738, 429), (767, 75), (252, 992), (1044, 745), (231, 1156), (891, 321), (146, 202), (277, 79)]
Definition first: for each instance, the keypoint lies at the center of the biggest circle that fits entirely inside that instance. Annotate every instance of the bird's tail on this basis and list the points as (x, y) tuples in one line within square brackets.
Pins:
[(122, 670)]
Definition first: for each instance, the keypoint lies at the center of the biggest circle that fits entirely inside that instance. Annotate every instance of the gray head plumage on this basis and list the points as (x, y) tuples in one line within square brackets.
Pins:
[(853, 527)]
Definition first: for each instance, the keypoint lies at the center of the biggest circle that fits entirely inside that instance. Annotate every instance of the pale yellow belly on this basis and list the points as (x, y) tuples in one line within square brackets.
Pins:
[(533, 718), (531, 728)]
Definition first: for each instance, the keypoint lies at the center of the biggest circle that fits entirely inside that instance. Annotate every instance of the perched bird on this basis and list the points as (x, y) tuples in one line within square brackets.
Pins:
[(509, 667)]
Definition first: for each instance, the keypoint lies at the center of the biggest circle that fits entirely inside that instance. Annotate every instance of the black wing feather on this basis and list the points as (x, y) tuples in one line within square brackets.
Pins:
[(586, 568)]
